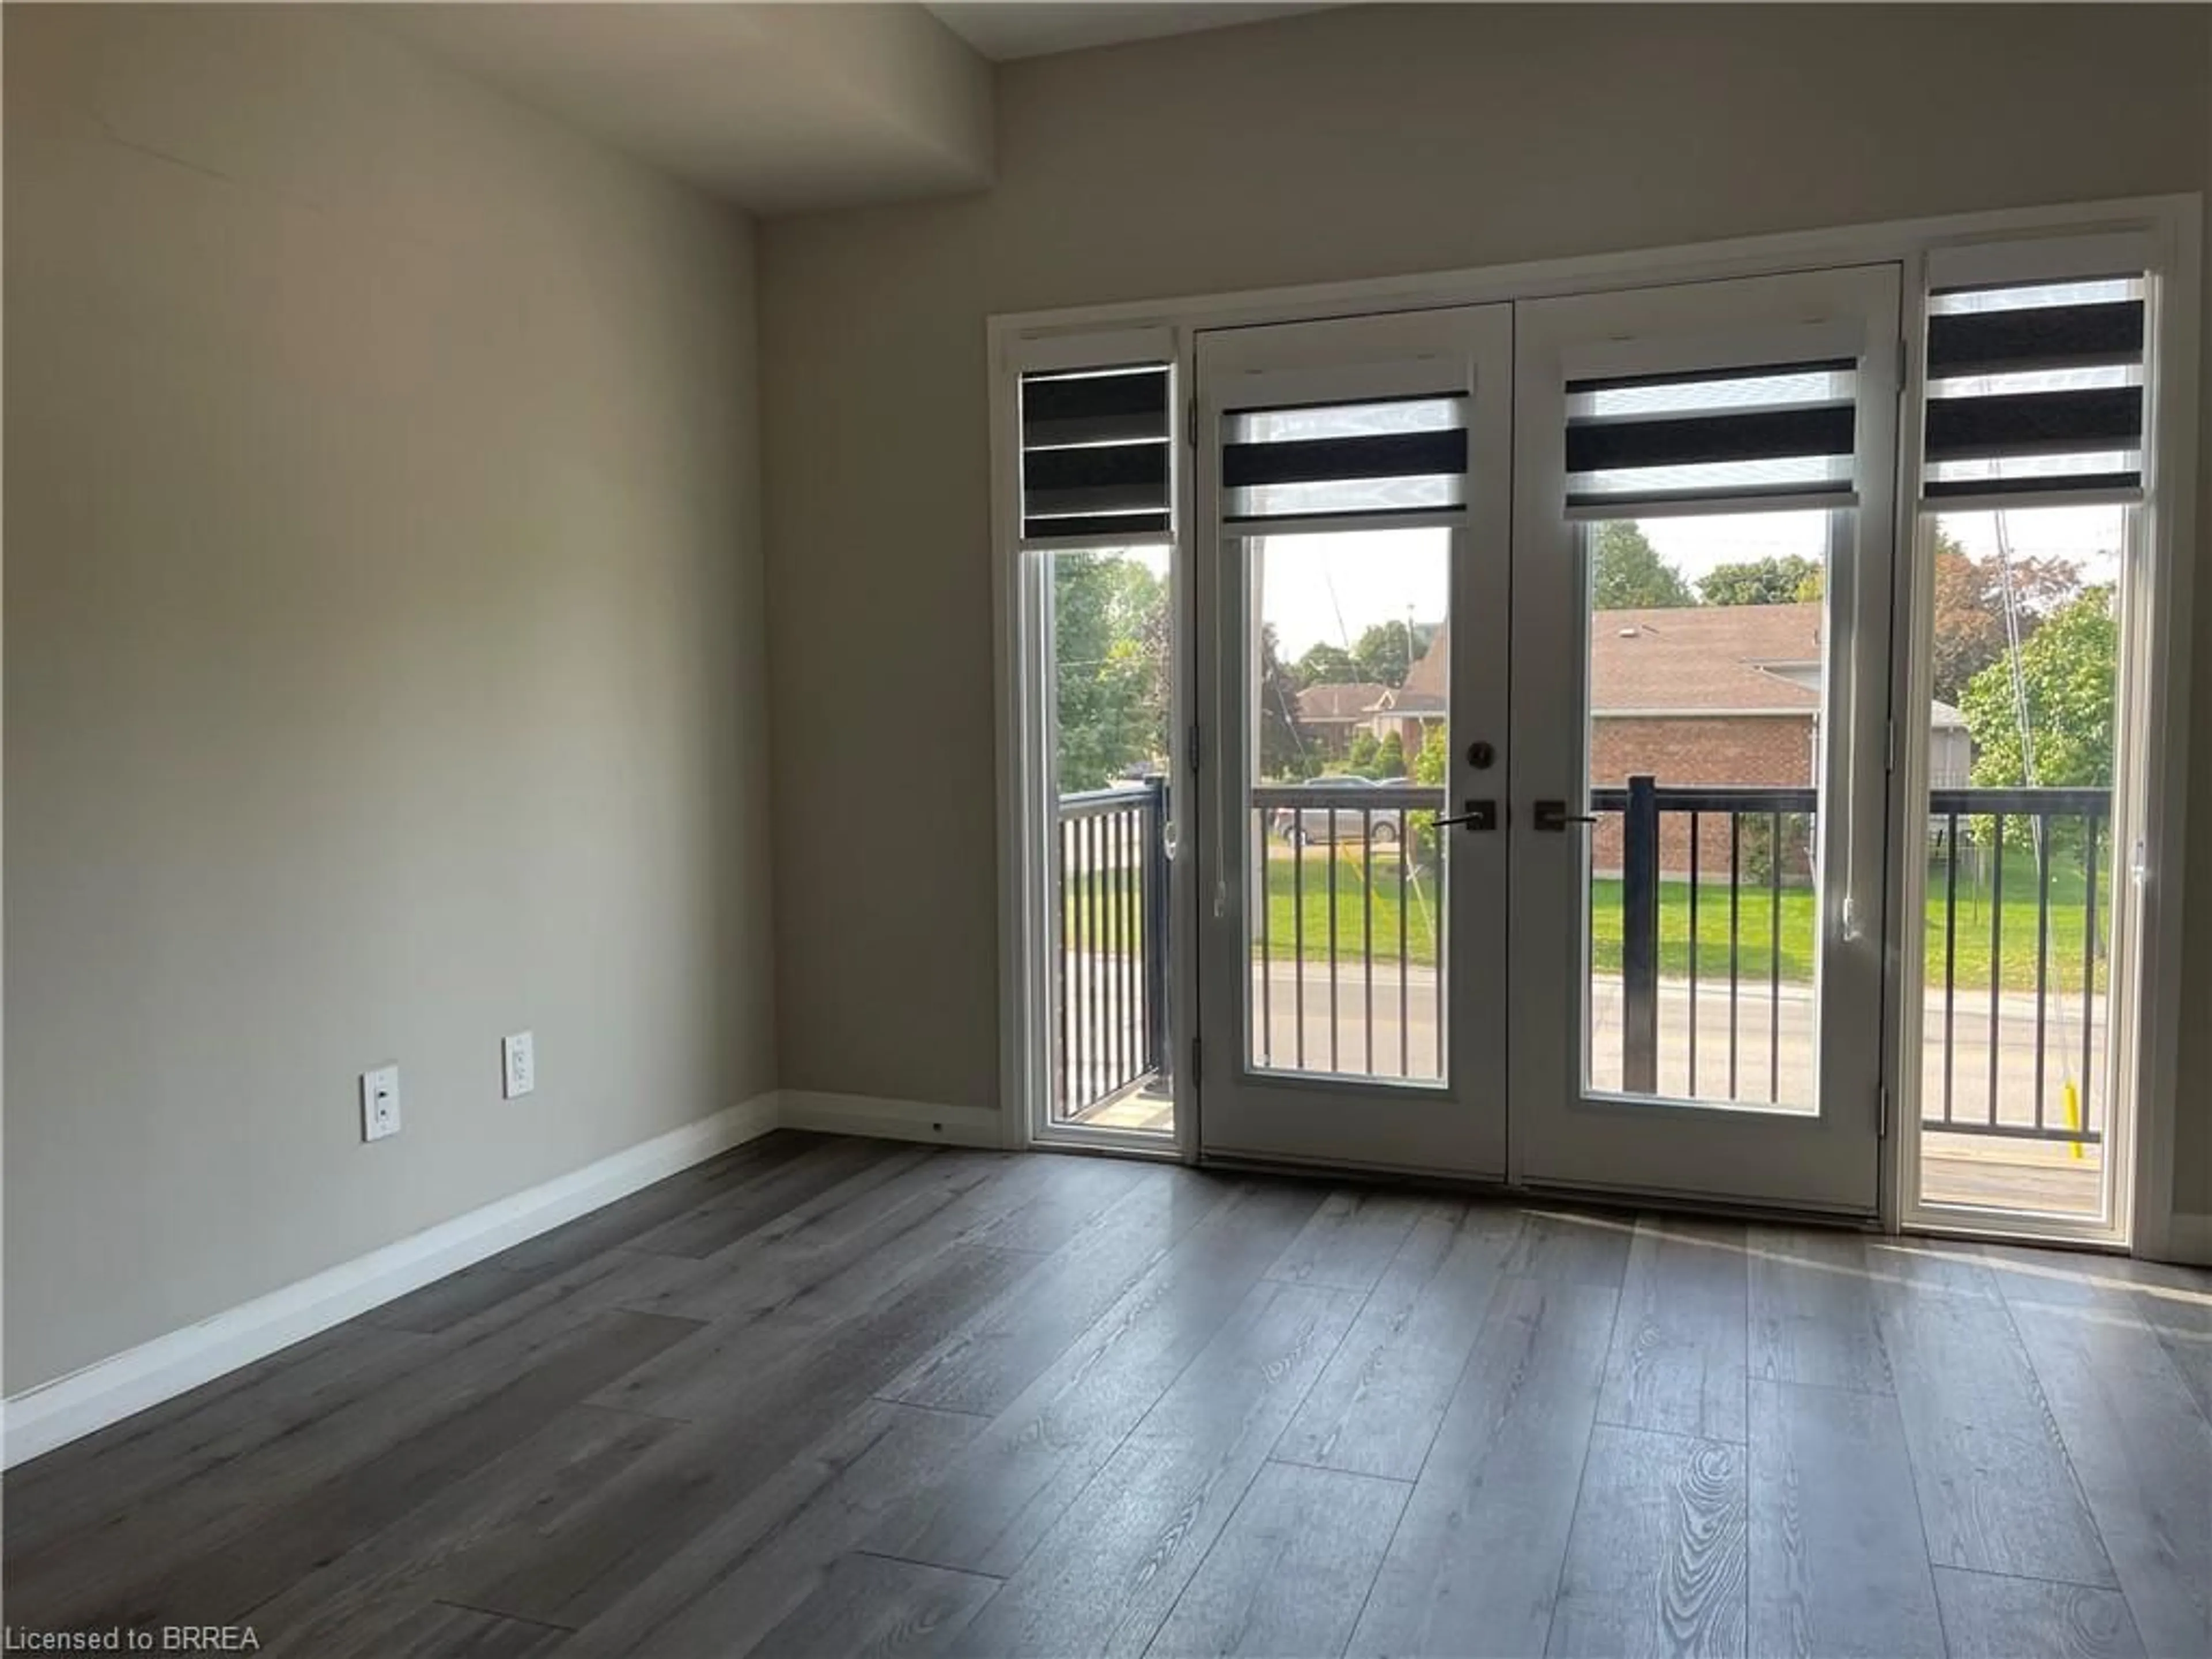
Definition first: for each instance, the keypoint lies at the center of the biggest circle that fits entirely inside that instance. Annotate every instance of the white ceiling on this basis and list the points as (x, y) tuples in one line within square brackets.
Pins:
[(783, 108), (1004, 31)]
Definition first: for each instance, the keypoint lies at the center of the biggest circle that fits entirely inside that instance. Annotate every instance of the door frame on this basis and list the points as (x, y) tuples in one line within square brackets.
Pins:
[(1021, 602), (2149, 778), (2172, 225), (1567, 1134), (1458, 1125)]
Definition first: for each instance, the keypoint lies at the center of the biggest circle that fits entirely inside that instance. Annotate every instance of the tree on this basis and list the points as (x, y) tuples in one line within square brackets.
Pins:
[(1390, 758), (1327, 664), (1431, 766), (1110, 666), (1434, 761), (2068, 669), (1627, 573), (1781, 579), (1970, 612), (1285, 749), (1387, 651), (1360, 757)]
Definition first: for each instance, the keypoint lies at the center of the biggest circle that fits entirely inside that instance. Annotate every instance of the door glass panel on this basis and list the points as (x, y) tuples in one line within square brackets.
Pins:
[(2016, 930), (1347, 690), (1708, 688), (1111, 666)]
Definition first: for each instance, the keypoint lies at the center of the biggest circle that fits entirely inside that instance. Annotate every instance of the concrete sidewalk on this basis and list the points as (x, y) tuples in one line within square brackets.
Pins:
[(1385, 1023)]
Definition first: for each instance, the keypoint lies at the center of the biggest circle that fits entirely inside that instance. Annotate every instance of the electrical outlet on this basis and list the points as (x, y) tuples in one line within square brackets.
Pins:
[(380, 1103), (517, 1064)]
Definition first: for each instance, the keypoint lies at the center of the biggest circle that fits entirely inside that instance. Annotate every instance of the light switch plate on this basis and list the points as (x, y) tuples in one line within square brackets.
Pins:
[(518, 1065), (380, 1103)]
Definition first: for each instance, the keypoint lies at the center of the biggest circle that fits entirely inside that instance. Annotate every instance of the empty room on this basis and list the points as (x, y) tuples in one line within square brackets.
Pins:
[(1152, 829)]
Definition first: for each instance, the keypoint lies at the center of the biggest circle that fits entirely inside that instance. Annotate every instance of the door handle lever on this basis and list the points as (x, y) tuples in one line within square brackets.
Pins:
[(1552, 816), (1476, 815)]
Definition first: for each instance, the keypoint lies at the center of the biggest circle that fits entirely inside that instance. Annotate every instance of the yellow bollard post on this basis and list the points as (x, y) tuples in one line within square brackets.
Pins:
[(2073, 1093)]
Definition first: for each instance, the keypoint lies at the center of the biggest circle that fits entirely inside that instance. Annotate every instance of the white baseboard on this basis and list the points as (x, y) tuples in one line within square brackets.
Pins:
[(894, 1119), (68, 1407)]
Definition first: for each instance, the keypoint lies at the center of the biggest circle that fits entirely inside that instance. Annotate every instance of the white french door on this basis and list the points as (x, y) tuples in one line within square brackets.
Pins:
[(1353, 613), (1703, 549), (1514, 859)]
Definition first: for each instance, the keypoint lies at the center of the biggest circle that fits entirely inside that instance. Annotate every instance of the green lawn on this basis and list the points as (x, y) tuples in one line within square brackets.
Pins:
[(1298, 910), (1757, 947), (1292, 914)]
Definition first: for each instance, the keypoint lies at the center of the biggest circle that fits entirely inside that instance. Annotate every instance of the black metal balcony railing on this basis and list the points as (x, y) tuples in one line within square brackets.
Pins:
[(2065, 835), (1644, 808), (1670, 839), (1111, 982), (1711, 951), (1377, 855)]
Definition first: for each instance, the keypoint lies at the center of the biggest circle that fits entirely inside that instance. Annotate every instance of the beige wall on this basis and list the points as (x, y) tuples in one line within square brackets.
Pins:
[(1364, 142), (2192, 1173), (383, 656)]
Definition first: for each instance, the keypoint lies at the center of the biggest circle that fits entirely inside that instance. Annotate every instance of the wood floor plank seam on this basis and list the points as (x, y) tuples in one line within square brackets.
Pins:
[(2140, 1440), (1684, 1434), (1267, 1592), (917, 1406), (1136, 1345), (2025, 1579), (512, 1617), (1480, 1317), (2066, 1453), (1943, 1617), (1836, 1557), (1483, 1534), (933, 1402), (1829, 1388), (1927, 1546), (1996, 1616), (1997, 1485), (892, 1555), (1294, 1330), (1390, 1543), (1575, 1511), (242, 1564), (635, 1411), (1324, 1468), (517, 1355)]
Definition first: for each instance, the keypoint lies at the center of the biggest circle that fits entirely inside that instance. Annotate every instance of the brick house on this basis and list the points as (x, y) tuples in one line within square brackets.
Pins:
[(1721, 695), (1412, 708), (1331, 714)]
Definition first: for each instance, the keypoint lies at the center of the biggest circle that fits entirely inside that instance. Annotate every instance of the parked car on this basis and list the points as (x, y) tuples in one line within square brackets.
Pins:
[(1321, 825)]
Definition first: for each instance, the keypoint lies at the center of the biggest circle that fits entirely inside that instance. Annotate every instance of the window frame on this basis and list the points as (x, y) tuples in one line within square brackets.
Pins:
[(1023, 600), (2150, 774)]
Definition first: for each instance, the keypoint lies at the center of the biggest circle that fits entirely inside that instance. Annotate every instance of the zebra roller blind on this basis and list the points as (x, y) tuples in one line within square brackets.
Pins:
[(1739, 435), (2035, 390), (1377, 458), (1096, 448)]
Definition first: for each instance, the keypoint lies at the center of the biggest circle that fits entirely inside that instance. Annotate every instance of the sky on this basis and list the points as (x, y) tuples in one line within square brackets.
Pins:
[(1329, 589)]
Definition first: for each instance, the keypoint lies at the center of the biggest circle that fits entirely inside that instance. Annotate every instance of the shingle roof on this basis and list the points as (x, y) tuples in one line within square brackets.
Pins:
[(1716, 658), (1339, 702), (1425, 681)]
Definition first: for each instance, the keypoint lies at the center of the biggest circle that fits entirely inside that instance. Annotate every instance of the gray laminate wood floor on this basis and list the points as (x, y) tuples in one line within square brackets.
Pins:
[(833, 1396)]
